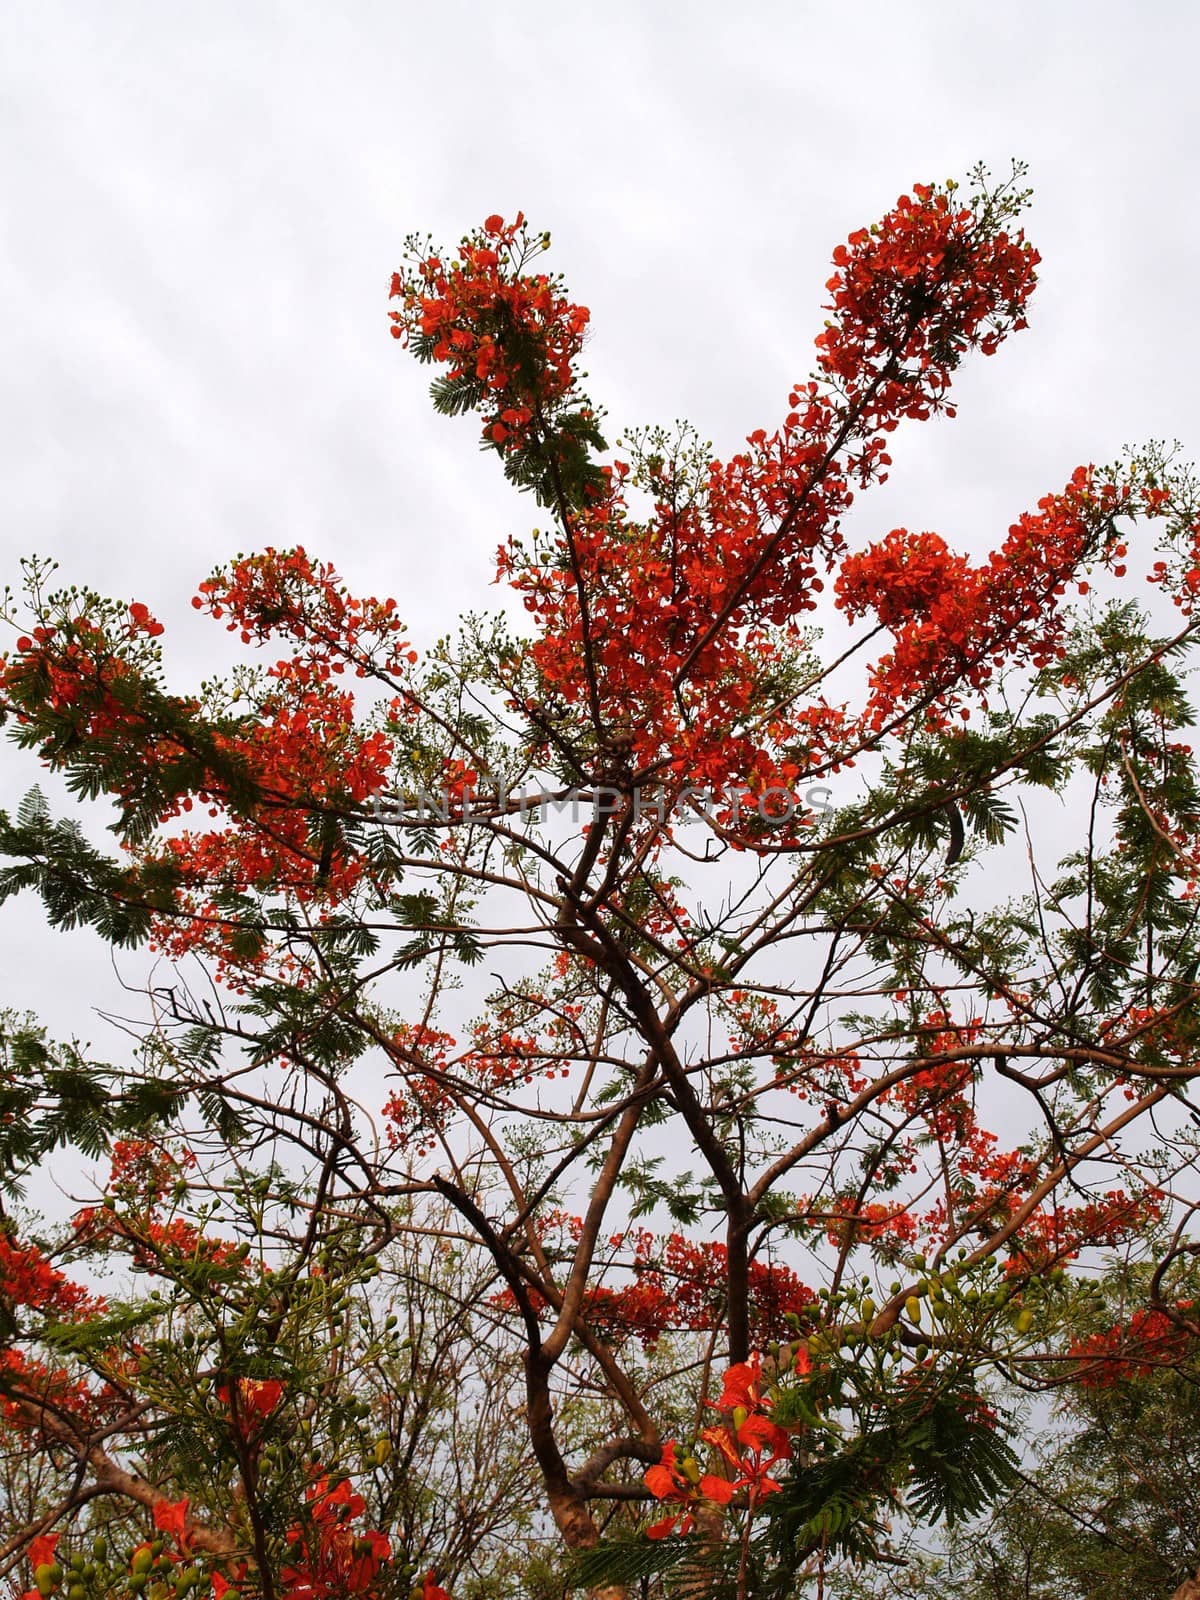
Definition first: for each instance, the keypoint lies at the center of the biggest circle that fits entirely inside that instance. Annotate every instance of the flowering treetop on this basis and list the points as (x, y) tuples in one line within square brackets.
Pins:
[(731, 1102)]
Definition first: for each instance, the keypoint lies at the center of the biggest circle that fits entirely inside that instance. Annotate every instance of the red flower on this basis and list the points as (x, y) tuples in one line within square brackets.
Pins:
[(683, 1483), (333, 1561), (749, 1441), (662, 1480), (743, 1385), (172, 1518), (143, 622), (41, 1551), (260, 1395), (256, 1399)]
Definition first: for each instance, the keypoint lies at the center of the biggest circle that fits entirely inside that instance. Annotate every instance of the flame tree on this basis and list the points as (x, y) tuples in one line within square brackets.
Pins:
[(676, 1000)]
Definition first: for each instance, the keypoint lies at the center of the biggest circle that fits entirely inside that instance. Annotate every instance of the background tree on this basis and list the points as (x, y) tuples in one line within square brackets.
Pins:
[(1109, 1507), (252, 1347), (751, 1079)]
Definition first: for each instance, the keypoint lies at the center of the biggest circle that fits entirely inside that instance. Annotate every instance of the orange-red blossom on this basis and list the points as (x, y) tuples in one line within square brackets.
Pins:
[(748, 1441)]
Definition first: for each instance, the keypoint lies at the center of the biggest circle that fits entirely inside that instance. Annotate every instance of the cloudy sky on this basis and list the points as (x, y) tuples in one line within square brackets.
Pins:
[(202, 206)]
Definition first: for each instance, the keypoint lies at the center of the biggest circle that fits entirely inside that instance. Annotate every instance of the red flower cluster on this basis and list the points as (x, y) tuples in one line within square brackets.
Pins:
[(678, 607), (934, 280), (28, 1279), (955, 623), (285, 594), (29, 1282), (80, 682), (31, 1388), (679, 1481), (1149, 1342), (330, 1559), (298, 752), (681, 1284), (515, 335), (748, 1442)]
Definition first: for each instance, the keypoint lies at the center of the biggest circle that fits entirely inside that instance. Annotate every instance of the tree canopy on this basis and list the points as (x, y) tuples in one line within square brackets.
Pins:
[(622, 1089)]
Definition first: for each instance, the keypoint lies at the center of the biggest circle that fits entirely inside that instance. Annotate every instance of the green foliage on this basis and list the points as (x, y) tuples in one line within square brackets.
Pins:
[(79, 886), (626, 1561), (941, 1453), (1108, 1503), (55, 1095)]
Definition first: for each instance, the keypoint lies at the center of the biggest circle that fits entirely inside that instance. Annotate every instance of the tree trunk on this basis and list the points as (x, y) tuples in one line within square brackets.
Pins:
[(568, 1507), (579, 1532)]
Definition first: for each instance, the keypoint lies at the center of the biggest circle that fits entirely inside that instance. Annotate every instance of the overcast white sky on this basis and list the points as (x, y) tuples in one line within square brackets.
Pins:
[(202, 206)]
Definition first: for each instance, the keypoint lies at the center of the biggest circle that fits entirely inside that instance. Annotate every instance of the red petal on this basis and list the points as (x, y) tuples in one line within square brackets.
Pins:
[(718, 1489), (660, 1482)]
